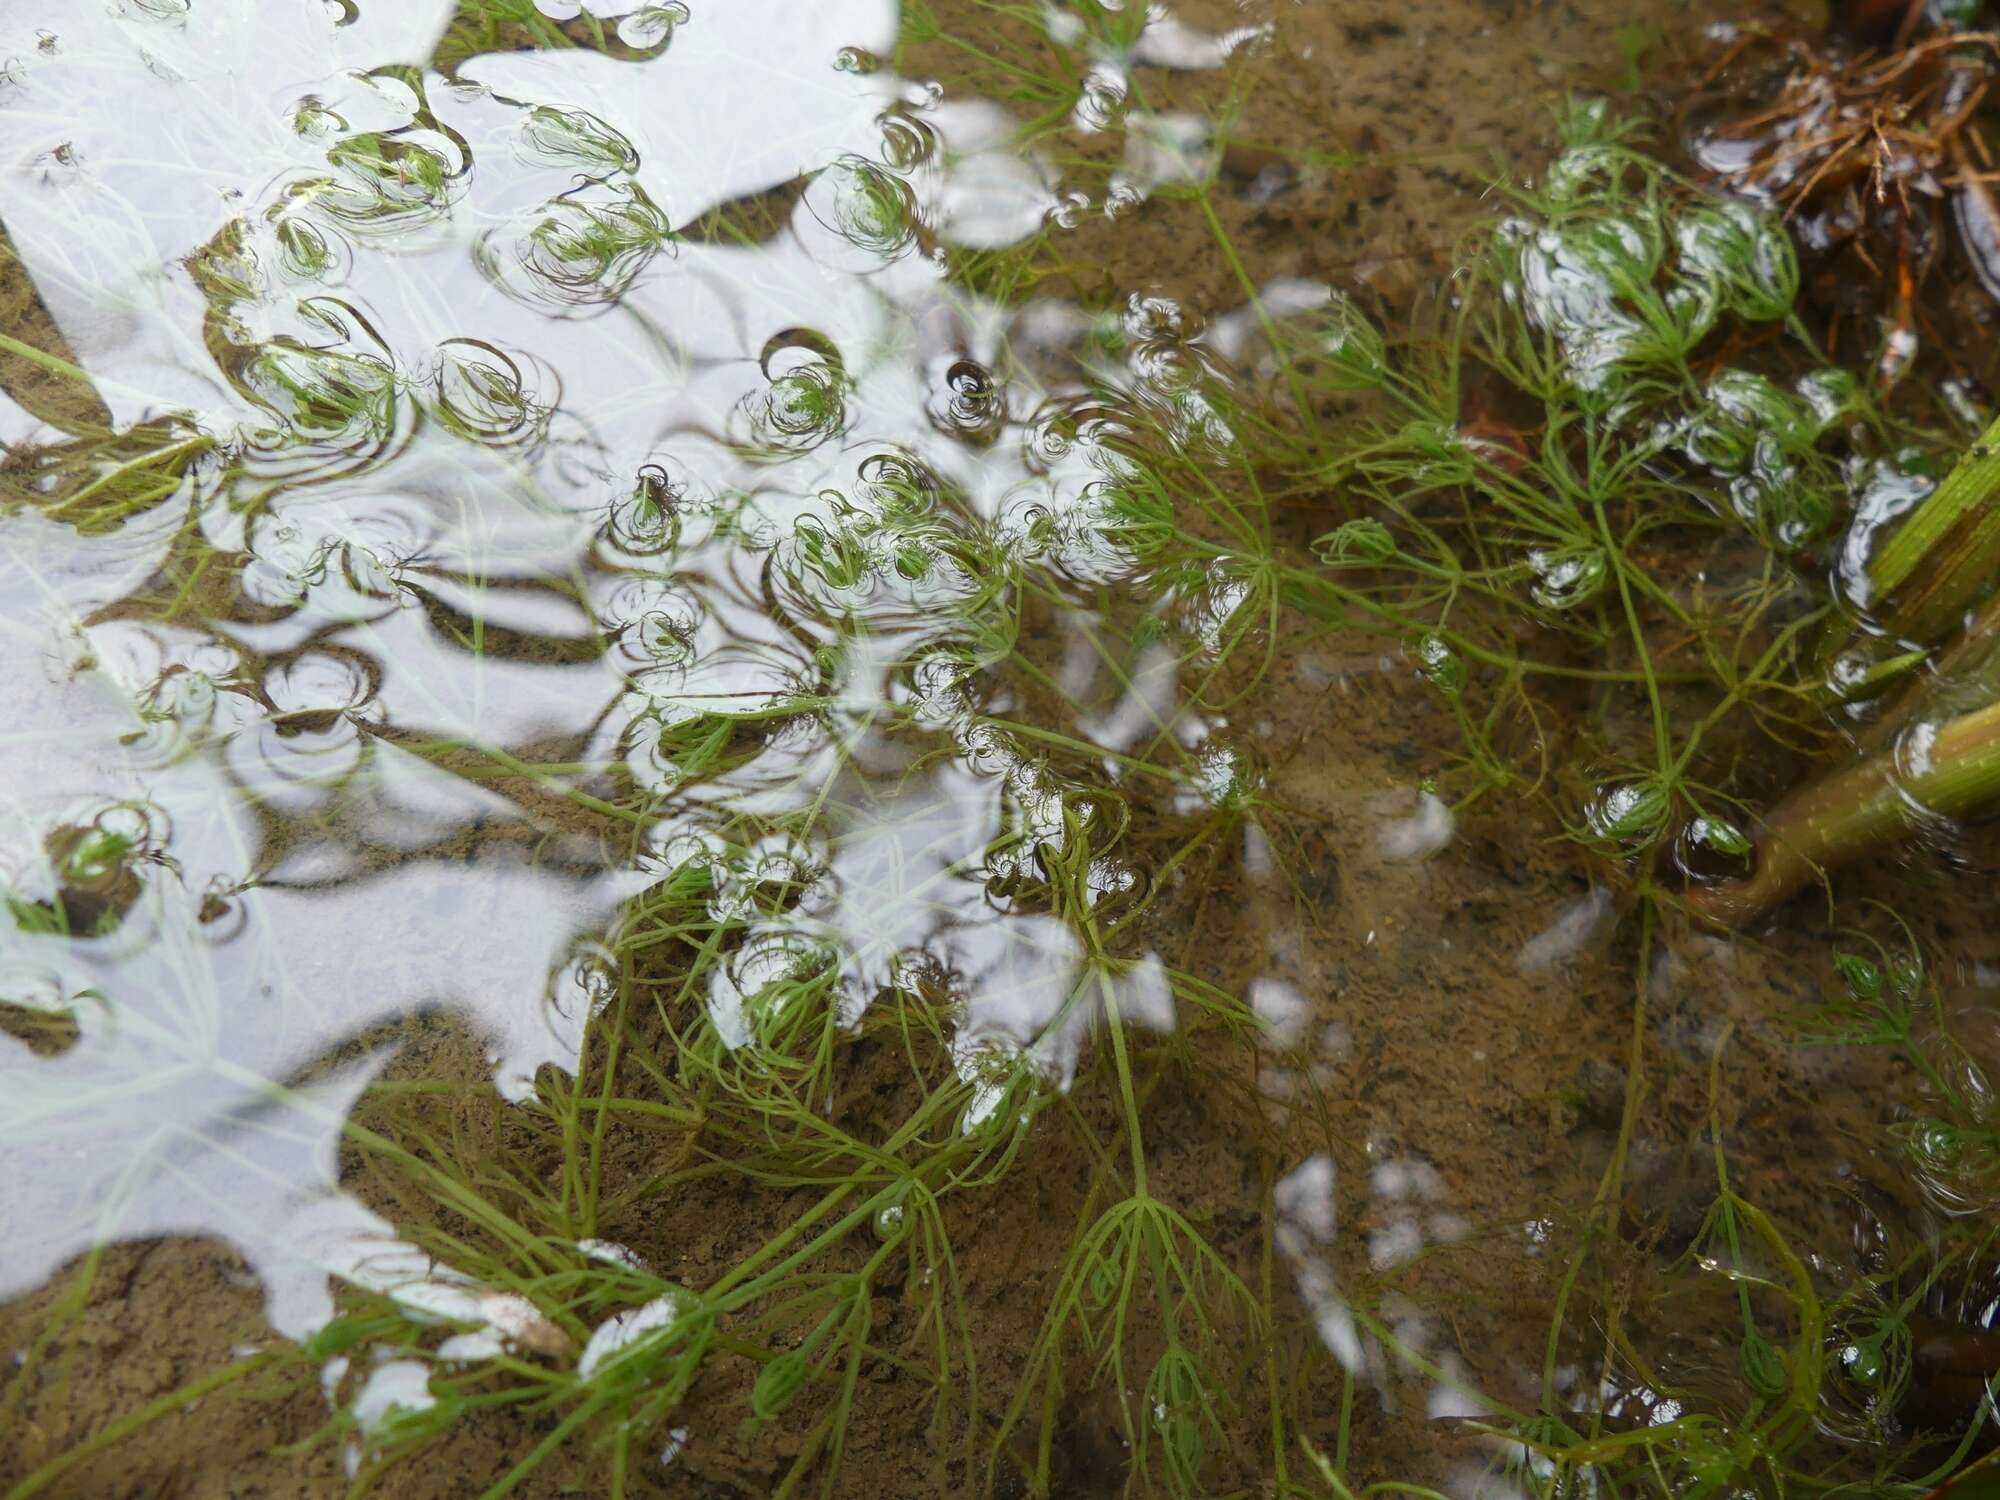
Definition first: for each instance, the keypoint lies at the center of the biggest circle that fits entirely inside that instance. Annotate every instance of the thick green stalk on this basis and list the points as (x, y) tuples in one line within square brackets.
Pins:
[(1963, 674), (1839, 818), (1943, 557), (52, 363)]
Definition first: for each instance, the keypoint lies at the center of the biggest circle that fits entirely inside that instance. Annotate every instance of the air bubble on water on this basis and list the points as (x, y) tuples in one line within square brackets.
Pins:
[(868, 206), (1100, 100), (575, 140), (1069, 210), (1121, 195), (1567, 577), (1914, 747), (652, 26), (1885, 490), (907, 142)]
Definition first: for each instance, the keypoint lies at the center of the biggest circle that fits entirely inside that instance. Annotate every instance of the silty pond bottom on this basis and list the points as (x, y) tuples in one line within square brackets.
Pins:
[(687, 813)]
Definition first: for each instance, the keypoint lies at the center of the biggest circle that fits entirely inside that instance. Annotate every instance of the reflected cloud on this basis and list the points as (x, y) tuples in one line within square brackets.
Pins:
[(559, 472)]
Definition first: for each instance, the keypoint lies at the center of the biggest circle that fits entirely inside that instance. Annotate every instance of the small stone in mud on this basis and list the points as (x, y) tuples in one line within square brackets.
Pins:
[(1244, 160), (1952, 1366), (1600, 1093), (1667, 1198), (1261, 172)]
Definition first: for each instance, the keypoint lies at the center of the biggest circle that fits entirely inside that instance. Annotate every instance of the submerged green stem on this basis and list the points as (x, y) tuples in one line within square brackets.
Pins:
[(1946, 554), (1953, 773)]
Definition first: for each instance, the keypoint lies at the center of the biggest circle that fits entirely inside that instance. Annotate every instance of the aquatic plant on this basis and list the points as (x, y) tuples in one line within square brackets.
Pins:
[(1573, 429), (897, 971)]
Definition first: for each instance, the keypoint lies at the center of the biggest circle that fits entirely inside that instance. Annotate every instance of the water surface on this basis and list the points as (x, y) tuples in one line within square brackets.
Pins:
[(495, 488)]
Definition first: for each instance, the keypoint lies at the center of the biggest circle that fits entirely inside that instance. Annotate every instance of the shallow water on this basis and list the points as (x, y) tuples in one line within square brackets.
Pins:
[(534, 531)]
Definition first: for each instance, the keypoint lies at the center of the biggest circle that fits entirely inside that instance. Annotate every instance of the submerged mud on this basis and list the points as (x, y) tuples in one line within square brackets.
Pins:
[(667, 519)]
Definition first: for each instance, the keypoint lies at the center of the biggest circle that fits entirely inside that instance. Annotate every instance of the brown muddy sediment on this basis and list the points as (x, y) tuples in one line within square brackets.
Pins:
[(25, 318), (1470, 1015)]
